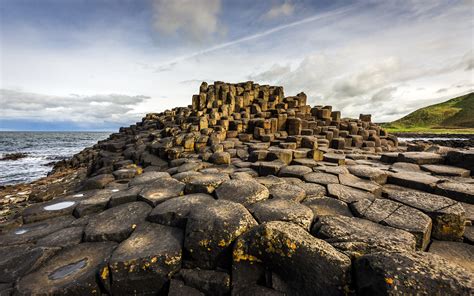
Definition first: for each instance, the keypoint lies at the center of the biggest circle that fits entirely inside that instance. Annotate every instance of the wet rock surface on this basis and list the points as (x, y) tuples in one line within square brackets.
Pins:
[(245, 192)]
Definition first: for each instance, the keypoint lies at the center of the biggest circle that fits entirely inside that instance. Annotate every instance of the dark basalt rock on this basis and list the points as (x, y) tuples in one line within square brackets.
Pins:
[(144, 263), (30, 233), (49, 209), (418, 181), (421, 158), (455, 252), (404, 273), (287, 191), (18, 260), (147, 178), (13, 156), (282, 210), (448, 216), (327, 206), (321, 178), (463, 192), (116, 224), (356, 237), (210, 231), (66, 237), (178, 288), (74, 271), (368, 172), (124, 196), (305, 263), (358, 183), (297, 171), (175, 211), (348, 194), (396, 215), (210, 282), (205, 183), (161, 190), (98, 182), (245, 192)]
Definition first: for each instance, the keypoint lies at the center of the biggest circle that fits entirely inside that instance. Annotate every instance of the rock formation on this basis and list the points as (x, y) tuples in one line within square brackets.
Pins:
[(249, 192)]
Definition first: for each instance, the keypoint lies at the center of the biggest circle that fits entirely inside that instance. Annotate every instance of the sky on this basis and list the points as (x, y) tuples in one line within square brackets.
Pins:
[(102, 64)]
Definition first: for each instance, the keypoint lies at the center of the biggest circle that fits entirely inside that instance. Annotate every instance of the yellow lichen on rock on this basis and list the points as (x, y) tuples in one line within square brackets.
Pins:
[(105, 273)]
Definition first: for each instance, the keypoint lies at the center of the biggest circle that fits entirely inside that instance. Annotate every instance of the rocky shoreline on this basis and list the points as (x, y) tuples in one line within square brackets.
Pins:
[(245, 192)]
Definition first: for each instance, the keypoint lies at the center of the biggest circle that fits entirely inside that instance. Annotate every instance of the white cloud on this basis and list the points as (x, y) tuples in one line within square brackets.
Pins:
[(197, 20), (281, 10), (96, 109), (273, 73), (372, 77)]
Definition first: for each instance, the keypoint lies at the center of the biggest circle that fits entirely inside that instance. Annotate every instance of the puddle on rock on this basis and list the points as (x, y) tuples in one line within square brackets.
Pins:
[(26, 229), (115, 190), (59, 206), (21, 231), (78, 195), (67, 270)]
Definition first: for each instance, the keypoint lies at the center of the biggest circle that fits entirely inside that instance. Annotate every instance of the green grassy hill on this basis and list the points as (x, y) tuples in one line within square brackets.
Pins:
[(453, 115)]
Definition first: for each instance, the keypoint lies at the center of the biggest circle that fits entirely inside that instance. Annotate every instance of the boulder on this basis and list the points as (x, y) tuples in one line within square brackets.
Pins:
[(410, 273), (30, 233), (312, 189), (321, 178), (339, 159), (420, 158), (73, 271), (144, 263), (266, 168), (399, 167), (97, 182), (117, 223), (124, 196), (205, 183), (463, 192), (210, 231), (161, 190), (220, 158), (178, 288), (355, 236), (303, 263), (418, 181), (93, 204), (348, 194), (175, 211), (18, 260), (445, 170), (66, 237), (368, 172), (50, 209), (296, 171), (362, 184), (148, 177), (283, 155), (397, 215), (287, 191), (448, 216), (327, 206), (210, 282), (461, 158), (245, 192), (282, 210), (459, 253)]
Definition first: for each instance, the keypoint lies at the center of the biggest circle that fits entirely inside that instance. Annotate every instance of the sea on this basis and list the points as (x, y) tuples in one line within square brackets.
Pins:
[(43, 149)]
